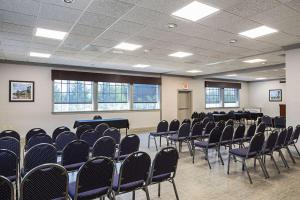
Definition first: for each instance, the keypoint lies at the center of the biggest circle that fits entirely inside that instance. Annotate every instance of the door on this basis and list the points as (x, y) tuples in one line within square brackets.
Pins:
[(184, 105)]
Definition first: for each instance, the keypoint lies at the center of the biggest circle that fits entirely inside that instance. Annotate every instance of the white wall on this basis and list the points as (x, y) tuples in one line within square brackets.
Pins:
[(292, 60), (259, 96), (24, 116)]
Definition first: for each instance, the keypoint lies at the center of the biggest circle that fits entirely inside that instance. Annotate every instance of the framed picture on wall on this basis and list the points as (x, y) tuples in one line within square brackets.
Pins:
[(21, 91), (275, 95)]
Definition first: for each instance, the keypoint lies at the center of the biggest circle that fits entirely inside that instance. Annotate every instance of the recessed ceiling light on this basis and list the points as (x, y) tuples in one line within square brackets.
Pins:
[(194, 71), (260, 78), (255, 60), (195, 11), (258, 32), (172, 25), (232, 41), (220, 62), (141, 66), (128, 46), (68, 1), (40, 55), (52, 34), (180, 54), (231, 75)]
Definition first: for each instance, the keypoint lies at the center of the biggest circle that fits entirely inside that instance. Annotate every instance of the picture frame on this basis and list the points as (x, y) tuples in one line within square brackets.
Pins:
[(21, 91), (275, 95)]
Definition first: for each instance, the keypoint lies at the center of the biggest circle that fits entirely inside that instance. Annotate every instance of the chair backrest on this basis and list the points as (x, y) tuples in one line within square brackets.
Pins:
[(296, 133), (63, 139), (221, 125), (101, 128), (90, 136), (251, 131), (267, 120), (230, 116), (81, 129), (75, 152), (162, 126), (59, 130), (38, 155), (216, 112), (48, 181), (261, 128), (201, 116), (11, 144), (10, 133), (186, 121), (184, 130), (129, 144), (239, 132), (38, 139), (209, 126), (6, 189), (8, 163), (97, 117), (289, 135), (256, 143), (128, 170), (258, 121), (279, 122), (104, 146), (197, 129), (174, 125), (165, 162), (33, 132), (214, 136), (196, 120), (271, 141), (229, 122), (205, 121), (114, 133), (94, 174), (227, 134), (281, 138)]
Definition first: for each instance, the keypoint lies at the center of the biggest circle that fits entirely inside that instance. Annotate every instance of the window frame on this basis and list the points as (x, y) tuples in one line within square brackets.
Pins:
[(222, 103)]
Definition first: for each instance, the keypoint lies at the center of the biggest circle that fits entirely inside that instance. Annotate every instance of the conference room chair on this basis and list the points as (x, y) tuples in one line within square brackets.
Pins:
[(221, 125), (104, 146), (183, 136), (6, 189), (288, 138), (207, 129), (280, 145), (101, 128), (279, 122), (63, 139), (295, 138), (239, 135), (97, 117), (216, 112), (186, 121), (59, 130), (33, 132), (10, 133), (12, 144), (258, 121), (261, 128), (94, 180), (90, 136), (9, 166), (173, 127), (222, 112), (211, 143), (38, 139), (162, 129), (75, 154), (129, 144), (164, 168), (113, 133), (196, 132), (251, 152), (225, 140), (247, 116), (194, 115), (196, 120), (269, 147), (250, 133), (229, 122), (205, 121), (231, 116), (267, 120), (83, 128), (210, 116), (47, 181), (129, 179), (38, 155)]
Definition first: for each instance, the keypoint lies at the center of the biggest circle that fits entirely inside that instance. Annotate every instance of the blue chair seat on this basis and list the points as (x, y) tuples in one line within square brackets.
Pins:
[(122, 157), (161, 177), (176, 138), (242, 152), (157, 134), (126, 186), (74, 166), (203, 144), (12, 178), (88, 194)]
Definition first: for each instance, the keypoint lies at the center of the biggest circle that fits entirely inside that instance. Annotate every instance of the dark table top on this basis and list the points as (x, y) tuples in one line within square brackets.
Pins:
[(112, 122)]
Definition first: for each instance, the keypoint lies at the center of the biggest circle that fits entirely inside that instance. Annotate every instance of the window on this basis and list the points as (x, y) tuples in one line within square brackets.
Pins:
[(213, 97), (71, 95), (221, 97), (231, 97), (113, 96), (146, 97)]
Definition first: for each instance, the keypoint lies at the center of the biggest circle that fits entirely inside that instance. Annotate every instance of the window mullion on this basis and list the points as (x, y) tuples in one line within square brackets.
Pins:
[(95, 96)]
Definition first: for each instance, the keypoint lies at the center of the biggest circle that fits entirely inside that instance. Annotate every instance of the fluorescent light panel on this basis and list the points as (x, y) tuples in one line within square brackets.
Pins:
[(258, 32), (195, 11), (40, 55), (231, 75), (141, 66), (194, 71), (257, 60), (260, 78), (128, 46), (52, 34), (180, 54)]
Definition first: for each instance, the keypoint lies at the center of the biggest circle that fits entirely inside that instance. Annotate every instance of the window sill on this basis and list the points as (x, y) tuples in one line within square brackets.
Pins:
[(104, 111)]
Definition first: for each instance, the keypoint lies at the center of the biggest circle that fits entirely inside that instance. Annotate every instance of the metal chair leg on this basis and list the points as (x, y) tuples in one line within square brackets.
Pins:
[(159, 141), (283, 159), (291, 155), (175, 190), (155, 143), (133, 195), (228, 166), (244, 164), (206, 156), (193, 154), (159, 189), (149, 141), (261, 163), (190, 148), (147, 193), (272, 158), (297, 149), (220, 156)]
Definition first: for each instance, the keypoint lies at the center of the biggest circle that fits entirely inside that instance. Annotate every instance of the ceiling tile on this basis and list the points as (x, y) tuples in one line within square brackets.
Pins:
[(88, 31), (16, 18), (79, 4), (26, 7), (127, 27), (96, 20), (53, 24)]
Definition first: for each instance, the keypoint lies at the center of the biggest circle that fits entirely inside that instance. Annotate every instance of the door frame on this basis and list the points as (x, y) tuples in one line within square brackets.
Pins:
[(191, 100)]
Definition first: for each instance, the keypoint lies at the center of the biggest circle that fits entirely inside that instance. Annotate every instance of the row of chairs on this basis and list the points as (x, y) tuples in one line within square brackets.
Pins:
[(96, 178)]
